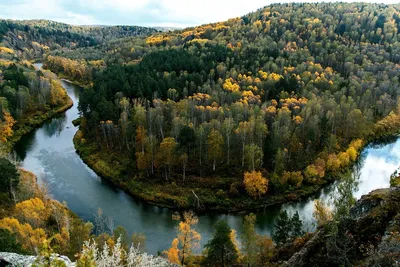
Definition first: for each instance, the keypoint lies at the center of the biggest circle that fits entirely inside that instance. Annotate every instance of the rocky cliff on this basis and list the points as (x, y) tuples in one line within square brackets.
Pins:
[(369, 236), (13, 259)]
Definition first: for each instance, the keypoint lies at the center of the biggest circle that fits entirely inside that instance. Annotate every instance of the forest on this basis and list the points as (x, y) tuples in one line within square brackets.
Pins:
[(260, 108), (234, 116), (33, 38), (27, 97)]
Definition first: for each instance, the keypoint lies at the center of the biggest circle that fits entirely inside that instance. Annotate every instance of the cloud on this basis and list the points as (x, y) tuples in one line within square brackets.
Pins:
[(179, 13), (42, 9), (145, 12)]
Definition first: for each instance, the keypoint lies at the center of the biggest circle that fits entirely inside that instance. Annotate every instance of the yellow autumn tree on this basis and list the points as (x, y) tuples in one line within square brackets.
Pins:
[(344, 159), (215, 146), (166, 156), (188, 237), (32, 211), (352, 153), (57, 93), (173, 252), (256, 185), (322, 213), (333, 163), (233, 237), (293, 178), (313, 173), (265, 249), (6, 125), (29, 238)]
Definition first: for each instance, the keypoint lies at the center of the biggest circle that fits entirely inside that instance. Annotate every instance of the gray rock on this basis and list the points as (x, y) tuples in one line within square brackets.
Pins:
[(26, 260)]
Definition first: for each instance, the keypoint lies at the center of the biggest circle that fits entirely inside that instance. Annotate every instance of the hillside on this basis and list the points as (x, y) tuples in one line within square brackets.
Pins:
[(242, 113), (369, 236), (34, 37), (233, 116)]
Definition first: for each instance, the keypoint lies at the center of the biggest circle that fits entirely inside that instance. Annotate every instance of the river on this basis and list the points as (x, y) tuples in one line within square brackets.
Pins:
[(49, 153)]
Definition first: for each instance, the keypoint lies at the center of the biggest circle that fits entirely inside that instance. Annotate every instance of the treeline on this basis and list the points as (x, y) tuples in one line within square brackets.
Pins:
[(30, 218), (33, 223), (33, 38), (27, 96), (288, 94), (78, 70)]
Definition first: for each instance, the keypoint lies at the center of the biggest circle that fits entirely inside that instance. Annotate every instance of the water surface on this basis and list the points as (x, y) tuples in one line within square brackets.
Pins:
[(49, 153)]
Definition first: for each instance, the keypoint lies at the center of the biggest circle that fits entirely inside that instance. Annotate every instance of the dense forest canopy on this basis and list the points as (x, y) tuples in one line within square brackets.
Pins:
[(234, 115), (287, 94), (35, 37)]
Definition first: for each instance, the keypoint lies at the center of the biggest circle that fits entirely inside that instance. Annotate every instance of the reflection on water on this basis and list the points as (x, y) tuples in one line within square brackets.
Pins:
[(49, 153), (56, 126)]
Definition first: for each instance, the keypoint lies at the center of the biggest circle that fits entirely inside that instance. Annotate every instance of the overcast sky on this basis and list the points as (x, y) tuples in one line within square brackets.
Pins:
[(168, 13)]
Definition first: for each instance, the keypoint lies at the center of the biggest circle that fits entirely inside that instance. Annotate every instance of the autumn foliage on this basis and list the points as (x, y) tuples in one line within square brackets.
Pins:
[(6, 125), (256, 185)]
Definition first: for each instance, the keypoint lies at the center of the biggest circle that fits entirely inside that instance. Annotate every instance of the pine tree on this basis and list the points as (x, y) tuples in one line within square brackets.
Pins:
[(220, 251), (282, 228), (9, 177), (296, 225)]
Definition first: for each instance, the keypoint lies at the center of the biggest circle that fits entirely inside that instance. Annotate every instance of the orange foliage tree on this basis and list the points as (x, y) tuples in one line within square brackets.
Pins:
[(256, 185), (173, 252), (29, 238), (6, 126), (32, 211), (187, 236)]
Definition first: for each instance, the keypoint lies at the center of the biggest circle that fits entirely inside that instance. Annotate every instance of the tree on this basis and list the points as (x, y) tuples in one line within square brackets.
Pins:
[(322, 212), (256, 185), (220, 251), (142, 158), (187, 236), (121, 234), (29, 238), (215, 146), (296, 226), (173, 252), (9, 176), (243, 131), (139, 241), (254, 156), (32, 211), (344, 198), (92, 255), (287, 227), (184, 161), (187, 138), (233, 237), (79, 233), (282, 228), (8, 242), (249, 238), (227, 127), (6, 126), (166, 155), (265, 248)]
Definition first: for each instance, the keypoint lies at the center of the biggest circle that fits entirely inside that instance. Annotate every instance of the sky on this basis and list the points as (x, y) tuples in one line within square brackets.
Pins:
[(165, 13)]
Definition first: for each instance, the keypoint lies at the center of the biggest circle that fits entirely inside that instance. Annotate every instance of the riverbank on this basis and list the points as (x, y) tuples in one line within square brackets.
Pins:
[(68, 79), (213, 193), (111, 166), (33, 121)]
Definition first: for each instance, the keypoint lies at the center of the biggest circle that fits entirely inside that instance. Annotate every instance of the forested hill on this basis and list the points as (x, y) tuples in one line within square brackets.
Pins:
[(269, 104), (230, 116), (34, 37)]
